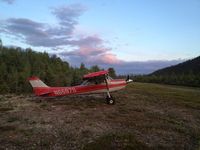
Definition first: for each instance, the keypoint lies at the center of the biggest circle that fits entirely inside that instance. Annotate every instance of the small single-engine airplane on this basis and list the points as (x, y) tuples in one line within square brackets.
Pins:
[(96, 82)]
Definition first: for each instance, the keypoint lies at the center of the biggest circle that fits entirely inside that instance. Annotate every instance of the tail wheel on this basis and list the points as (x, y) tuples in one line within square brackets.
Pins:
[(110, 100)]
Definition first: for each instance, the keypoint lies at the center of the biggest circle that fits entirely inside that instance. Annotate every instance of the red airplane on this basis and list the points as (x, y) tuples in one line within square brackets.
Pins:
[(96, 82)]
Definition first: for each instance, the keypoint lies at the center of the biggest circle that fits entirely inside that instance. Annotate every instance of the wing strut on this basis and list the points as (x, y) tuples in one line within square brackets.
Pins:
[(108, 90)]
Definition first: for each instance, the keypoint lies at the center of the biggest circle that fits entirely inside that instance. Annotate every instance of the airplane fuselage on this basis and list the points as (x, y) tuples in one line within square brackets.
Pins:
[(114, 85)]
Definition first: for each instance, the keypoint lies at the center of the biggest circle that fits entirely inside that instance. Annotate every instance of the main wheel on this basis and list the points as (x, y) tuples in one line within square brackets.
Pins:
[(110, 100)]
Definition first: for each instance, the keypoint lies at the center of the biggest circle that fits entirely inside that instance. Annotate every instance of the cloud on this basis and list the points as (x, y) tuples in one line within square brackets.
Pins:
[(41, 34), (90, 45), (107, 58), (89, 49), (67, 15), (33, 33), (8, 1), (24, 27)]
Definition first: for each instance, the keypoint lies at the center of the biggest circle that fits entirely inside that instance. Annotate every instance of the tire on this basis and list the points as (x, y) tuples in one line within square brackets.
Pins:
[(110, 100)]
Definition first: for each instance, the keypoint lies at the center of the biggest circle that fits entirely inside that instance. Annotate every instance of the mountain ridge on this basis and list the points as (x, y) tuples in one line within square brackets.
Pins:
[(186, 73), (184, 67)]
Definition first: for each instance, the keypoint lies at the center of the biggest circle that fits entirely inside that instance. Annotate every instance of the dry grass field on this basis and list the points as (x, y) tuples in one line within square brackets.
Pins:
[(146, 116)]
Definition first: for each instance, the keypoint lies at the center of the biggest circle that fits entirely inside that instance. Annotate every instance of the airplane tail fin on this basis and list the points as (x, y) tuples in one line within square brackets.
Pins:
[(39, 87), (36, 82)]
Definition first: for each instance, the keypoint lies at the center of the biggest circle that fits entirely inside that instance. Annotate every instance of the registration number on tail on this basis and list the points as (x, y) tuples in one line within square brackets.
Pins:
[(65, 91)]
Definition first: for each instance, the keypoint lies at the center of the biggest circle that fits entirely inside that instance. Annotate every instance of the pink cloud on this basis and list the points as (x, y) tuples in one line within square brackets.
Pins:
[(87, 50), (91, 49), (106, 58), (92, 40)]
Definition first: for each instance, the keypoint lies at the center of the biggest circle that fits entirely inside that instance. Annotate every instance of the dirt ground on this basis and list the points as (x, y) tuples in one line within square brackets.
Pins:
[(145, 116)]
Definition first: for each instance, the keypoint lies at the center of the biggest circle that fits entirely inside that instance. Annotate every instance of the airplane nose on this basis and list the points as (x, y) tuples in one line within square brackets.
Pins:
[(129, 81)]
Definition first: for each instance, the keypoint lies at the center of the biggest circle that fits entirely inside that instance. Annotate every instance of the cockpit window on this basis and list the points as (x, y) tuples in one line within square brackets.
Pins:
[(95, 81), (89, 82), (92, 82), (84, 82)]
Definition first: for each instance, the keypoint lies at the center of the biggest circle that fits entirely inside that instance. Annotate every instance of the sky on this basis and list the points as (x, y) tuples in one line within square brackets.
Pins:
[(133, 36)]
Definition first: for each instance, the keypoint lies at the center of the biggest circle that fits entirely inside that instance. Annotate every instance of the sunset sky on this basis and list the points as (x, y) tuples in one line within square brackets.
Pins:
[(133, 36)]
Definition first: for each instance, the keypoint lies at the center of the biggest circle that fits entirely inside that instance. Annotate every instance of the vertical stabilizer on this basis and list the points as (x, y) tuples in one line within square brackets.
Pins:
[(39, 87), (36, 82)]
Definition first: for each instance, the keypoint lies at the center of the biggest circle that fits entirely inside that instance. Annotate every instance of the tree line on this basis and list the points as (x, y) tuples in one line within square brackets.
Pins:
[(172, 79), (17, 65)]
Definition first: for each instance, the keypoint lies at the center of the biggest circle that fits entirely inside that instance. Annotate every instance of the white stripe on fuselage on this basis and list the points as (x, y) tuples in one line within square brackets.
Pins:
[(110, 89), (105, 90)]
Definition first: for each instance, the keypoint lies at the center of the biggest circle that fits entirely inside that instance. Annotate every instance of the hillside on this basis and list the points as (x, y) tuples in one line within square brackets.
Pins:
[(188, 67), (186, 73)]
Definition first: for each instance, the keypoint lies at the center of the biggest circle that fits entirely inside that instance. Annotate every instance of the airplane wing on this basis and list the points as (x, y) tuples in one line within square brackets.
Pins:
[(95, 74)]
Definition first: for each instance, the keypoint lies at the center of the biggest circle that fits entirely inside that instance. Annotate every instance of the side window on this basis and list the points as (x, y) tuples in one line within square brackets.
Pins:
[(96, 81), (92, 82)]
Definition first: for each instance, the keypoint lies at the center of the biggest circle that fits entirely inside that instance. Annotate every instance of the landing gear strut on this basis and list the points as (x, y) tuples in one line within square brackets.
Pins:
[(109, 99)]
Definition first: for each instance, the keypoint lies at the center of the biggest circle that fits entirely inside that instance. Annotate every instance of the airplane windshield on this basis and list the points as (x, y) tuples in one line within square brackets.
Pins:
[(95, 81), (84, 82), (110, 78)]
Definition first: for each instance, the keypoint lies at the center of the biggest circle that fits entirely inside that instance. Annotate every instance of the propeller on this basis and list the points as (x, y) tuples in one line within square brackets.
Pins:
[(128, 80)]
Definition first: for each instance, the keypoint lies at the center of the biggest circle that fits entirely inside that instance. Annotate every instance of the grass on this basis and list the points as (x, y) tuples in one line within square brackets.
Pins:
[(177, 94), (146, 116)]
